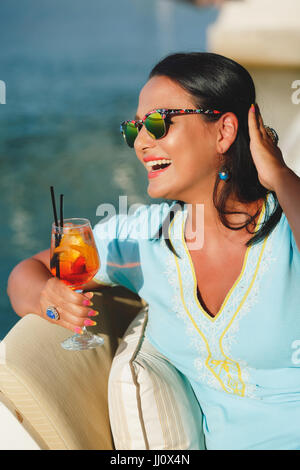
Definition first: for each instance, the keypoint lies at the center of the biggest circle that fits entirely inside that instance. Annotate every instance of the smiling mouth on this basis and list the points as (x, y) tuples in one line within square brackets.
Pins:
[(158, 165)]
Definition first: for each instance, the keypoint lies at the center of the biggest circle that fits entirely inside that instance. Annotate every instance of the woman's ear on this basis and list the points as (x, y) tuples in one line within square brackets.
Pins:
[(227, 131)]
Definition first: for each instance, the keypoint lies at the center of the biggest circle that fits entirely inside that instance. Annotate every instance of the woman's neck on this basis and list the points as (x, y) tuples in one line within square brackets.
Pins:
[(203, 222)]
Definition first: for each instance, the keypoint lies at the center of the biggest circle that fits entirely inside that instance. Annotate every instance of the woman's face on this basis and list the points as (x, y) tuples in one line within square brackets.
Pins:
[(190, 144)]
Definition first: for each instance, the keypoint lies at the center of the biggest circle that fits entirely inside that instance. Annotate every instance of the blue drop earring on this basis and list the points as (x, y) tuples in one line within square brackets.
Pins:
[(224, 174)]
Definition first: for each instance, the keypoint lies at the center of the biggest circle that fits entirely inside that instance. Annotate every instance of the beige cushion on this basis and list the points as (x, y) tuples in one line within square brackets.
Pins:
[(151, 404), (14, 433), (58, 396), (62, 394)]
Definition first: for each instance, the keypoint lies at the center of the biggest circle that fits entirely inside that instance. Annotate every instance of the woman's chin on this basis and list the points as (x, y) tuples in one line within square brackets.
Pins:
[(161, 194), (158, 191)]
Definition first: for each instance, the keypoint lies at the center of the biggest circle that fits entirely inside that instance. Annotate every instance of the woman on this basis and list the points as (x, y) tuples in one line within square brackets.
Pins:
[(223, 289)]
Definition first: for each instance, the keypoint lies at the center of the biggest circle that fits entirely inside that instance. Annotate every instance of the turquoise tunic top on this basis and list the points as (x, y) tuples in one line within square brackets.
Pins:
[(244, 363)]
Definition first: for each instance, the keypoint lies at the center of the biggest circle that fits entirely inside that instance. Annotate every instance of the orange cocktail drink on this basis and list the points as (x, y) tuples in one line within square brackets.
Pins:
[(74, 257)]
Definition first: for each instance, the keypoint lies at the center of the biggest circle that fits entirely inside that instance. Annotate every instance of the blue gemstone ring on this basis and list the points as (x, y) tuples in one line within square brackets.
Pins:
[(52, 313)]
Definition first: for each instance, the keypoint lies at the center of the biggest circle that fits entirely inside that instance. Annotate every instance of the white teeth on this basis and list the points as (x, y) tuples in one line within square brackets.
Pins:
[(158, 162)]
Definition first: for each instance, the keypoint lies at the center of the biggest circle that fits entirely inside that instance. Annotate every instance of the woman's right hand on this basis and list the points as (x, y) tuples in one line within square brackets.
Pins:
[(74, 308)]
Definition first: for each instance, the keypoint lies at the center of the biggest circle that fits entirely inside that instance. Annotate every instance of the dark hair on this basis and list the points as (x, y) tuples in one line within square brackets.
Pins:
[(217, 82)]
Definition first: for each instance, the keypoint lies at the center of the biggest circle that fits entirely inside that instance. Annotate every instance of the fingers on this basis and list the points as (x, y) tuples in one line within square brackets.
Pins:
[(261, 122), (74, 322), (58, 289), (254, 130), (74, 308), (256, 125)]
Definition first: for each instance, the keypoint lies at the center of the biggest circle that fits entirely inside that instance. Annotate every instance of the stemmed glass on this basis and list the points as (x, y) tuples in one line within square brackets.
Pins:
[(74, 260)]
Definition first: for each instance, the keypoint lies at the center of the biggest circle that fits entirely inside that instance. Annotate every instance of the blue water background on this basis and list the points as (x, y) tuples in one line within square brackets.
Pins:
[(73, 70)]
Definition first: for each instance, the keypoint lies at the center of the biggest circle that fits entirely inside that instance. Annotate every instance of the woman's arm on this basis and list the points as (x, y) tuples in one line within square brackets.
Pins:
[(273, 173), (26, 282), (287, 188), (32, 288)]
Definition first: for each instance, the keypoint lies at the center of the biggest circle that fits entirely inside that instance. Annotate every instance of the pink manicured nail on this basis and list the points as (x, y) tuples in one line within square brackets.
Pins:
[(89, 322), (78, 331), (92, 313), (252, 108), (87, 302), (89, 295)]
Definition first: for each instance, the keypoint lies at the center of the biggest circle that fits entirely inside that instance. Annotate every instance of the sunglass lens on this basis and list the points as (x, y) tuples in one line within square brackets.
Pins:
[(155, 125), (130, 133)]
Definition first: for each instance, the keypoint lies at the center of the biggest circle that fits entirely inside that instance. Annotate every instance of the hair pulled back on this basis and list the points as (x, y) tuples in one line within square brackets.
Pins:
[(217, 82)]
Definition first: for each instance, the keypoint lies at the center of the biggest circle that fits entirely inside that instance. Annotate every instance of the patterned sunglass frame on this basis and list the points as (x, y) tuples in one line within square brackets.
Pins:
[(169, 112)]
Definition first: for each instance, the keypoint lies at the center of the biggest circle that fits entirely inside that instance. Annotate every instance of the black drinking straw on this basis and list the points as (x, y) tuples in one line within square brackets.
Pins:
[(61, 213), (57, 236), (54, 205)]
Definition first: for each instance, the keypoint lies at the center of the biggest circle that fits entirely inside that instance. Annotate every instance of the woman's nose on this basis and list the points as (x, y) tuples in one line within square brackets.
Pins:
[(143, 140)]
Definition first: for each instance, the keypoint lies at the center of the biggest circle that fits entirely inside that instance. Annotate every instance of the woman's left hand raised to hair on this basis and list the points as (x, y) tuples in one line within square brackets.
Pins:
[(273, 173), (266, 154)]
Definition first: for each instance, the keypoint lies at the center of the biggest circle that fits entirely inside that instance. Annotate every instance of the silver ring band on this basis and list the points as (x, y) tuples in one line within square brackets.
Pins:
[(273, 134), (52, 313)]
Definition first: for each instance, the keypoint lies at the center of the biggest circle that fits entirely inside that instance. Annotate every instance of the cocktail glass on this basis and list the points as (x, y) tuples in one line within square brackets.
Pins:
[(75, 261)]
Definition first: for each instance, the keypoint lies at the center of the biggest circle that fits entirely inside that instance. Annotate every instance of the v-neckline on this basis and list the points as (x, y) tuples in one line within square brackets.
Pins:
[(237, 281)]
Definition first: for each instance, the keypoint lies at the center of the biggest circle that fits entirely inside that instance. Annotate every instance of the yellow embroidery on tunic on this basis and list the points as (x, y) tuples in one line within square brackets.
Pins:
[(225, 370), (228, 373)]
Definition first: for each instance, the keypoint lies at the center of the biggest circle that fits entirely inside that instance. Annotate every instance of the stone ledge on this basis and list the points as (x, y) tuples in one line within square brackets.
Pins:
[(258, 32)]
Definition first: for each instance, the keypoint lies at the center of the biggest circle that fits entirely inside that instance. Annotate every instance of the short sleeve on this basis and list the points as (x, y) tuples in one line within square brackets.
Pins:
[(119, 254), (124, 244), (295, 252)]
